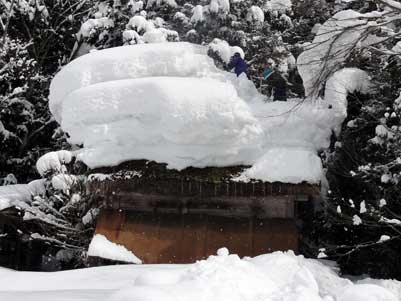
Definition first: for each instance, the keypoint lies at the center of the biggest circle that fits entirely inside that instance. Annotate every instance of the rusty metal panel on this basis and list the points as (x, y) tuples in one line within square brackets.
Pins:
[(181, 238)]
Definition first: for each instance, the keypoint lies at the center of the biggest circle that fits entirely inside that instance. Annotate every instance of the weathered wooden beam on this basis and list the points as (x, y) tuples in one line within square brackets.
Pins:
[(266, 207)]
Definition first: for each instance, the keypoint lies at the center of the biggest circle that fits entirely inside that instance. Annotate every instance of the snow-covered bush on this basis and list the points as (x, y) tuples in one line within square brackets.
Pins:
[(53, 211), (362, 216), (255, 14)]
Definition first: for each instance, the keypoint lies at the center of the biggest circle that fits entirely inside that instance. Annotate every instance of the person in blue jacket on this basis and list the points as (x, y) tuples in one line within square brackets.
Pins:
[(239, 65)]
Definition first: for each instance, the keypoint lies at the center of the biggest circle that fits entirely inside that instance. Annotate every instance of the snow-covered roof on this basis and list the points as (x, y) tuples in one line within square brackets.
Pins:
[(169, 103)]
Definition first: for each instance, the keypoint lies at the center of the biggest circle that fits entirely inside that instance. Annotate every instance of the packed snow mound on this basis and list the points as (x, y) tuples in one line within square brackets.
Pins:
[(286, 165), (178, 126), (226, 277), (133, 61), (100, 246)]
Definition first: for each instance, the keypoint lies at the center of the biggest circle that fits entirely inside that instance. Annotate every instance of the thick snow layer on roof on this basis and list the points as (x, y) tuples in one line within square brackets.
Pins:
[(277, 276), (285, 164), (134, 61), (100, 246), (151, 117), (169, 103)]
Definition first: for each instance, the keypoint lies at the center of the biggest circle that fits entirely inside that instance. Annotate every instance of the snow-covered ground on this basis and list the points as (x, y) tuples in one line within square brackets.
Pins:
[(272, 277), (170, 103)]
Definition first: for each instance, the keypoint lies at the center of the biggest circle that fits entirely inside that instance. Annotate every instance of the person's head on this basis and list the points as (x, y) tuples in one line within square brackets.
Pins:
[(237, 54)]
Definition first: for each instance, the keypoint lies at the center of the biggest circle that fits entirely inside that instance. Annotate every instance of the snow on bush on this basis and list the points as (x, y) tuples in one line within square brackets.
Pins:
[(12, 195), (92, 25), (100, 246), (4, 132), (139, 23), (397, 48), (160, 35), (131, 37), (286, 20), (217, 6), (53, 161), (334, 41), (281, 6), (181, 17), (224, 50), (197, 14), (63, 182), (154, 36), (158, 3), (255, 14), (150, 34), (135, 6), (90, 216)]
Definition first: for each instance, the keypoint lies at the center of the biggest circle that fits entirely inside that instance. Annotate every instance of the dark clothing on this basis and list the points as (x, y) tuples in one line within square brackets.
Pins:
[(239, 65), (279, 86)]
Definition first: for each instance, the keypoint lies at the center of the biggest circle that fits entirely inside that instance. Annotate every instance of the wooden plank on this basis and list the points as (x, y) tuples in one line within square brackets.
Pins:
[(239, 236), (232, 233), (274, 235), (109, 223), (268, 207), (193, 239), (169, 238), (143, 241)]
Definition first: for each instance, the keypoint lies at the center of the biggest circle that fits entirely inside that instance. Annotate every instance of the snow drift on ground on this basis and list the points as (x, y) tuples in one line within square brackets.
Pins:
[(170, 103), (272, 277)]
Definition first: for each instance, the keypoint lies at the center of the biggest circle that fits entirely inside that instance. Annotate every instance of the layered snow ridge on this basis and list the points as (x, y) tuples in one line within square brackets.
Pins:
[(168, 120), (128, 62), (168, 102)]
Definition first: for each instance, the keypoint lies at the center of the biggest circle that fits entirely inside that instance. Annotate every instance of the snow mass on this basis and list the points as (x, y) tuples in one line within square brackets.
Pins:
[(100, 246), (280, 276), (169, 103)]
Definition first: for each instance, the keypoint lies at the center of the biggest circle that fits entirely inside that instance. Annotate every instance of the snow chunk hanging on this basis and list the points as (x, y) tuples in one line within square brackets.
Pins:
[(330, 48)]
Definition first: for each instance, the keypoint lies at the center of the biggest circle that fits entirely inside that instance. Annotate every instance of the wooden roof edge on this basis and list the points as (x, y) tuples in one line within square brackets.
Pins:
[(198, 180)]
